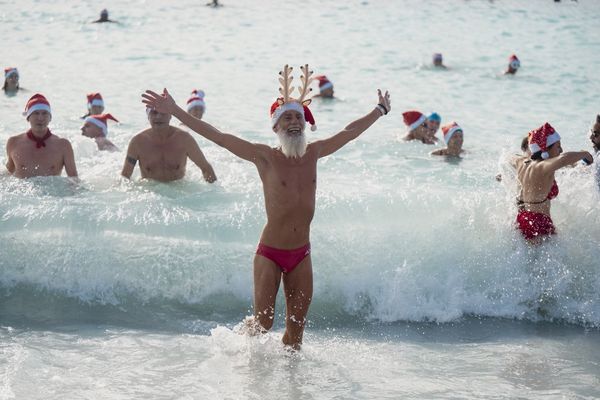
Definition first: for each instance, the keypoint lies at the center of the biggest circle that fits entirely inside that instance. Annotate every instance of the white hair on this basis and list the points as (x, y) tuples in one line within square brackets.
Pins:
[(292, 145)]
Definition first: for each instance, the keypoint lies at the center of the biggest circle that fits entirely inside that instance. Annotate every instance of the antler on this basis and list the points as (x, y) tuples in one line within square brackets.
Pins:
[(286, 80), (306, 80)]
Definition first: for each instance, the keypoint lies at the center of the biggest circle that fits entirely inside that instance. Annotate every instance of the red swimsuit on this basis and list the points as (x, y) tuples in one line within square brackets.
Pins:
[(287, 260), (534, 224)]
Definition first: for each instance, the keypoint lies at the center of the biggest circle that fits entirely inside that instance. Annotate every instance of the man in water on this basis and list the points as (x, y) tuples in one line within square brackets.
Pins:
[(513, 65), (38, 152), (289, 178), (195, 104), (438, 61), (95, 104), (11, 80), (103, 17), (433, 124), (453, 136), (595, 134), (163, 150), (325, 87), (96, 127), (416, 124)]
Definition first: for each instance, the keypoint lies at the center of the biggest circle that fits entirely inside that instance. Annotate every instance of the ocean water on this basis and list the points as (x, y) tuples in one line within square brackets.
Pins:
[(113, 289)]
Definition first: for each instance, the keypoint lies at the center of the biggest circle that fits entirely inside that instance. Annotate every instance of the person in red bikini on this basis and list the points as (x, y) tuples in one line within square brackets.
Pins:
[(538, 187), (289, 177), (38, 152)]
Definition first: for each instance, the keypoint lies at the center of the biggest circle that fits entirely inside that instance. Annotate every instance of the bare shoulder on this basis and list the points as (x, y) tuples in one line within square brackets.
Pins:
[(180, 134), (141, 136)]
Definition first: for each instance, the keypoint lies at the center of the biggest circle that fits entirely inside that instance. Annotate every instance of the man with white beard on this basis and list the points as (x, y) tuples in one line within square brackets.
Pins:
[(289, 177)]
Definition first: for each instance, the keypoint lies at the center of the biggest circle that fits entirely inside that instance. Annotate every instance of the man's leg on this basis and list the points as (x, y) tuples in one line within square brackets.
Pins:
[(298, 288), (267, 276)]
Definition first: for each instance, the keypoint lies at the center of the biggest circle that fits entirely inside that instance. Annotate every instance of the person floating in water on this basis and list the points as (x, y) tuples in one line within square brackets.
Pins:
[(453, 137), (95, 104), (433, 124), (513, 65), (438, 61), (163, 150), (103, 17), (96, 127), (214, 3), (11, 80), (196, 104), (416, 124), (289, 178), (325, 87), (38, 152), (538, 187)]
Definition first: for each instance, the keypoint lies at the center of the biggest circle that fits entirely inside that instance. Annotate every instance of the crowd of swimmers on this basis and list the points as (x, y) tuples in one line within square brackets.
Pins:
[(288, 172)]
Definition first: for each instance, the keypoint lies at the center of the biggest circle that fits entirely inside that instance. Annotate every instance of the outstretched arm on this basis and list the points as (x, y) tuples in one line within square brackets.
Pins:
[(164, 103), (568, 158), (354, 129)]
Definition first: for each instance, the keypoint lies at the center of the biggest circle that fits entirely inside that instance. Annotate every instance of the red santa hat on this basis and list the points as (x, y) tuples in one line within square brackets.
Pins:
[(35, 103), (10, 71), (196, 100), (514, 62), (413, 119), (100, 121), (324, 83), (94, 99), (449, 130), (279, 107), (542, 138)]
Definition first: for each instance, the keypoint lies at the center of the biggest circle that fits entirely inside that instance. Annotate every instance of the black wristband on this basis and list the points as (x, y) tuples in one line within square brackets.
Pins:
[(384, 108)]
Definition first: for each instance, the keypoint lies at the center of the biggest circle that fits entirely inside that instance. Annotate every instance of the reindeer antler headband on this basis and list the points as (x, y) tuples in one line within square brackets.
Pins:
[(287, 102)]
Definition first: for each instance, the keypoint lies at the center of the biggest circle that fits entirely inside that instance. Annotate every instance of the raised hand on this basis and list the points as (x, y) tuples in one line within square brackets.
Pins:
[(384, 101), (162, 103)]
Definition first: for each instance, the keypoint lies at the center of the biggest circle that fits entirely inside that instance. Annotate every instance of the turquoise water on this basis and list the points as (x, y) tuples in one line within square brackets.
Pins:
[(116, 289)]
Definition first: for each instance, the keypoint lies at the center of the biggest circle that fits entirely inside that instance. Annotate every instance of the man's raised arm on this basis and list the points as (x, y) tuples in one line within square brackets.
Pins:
[(354, 129), (164, 103)]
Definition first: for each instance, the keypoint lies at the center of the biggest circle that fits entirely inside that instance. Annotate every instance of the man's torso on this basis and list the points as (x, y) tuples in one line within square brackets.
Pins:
[(32, 161), (162, 159)]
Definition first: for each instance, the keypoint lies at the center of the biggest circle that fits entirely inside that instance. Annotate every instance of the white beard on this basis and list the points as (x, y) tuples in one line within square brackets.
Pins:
[(292, 146)]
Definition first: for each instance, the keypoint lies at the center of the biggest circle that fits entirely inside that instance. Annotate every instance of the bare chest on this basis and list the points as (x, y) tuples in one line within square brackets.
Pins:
[(32, 161)]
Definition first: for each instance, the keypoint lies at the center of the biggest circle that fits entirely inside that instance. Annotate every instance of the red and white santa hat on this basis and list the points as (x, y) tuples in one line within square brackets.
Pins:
[(514, 62), (94, 99), (36, 102), (449, 130), (542, 138), (324, 83), (100, 121), (279, 107), (413, 119), (10, 71), (196, 100)]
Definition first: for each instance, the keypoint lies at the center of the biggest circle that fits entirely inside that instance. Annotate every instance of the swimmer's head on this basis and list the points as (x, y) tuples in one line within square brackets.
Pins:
[(95, 103), (279, 112), (433, 123), (157, 119), (104, 14), (196, 105), (513, 63), (37, 102), (415, 121), (290, 130), (325, 86), (96, 125), (453, 135), (437, 59), (11, 79), (541, 139)]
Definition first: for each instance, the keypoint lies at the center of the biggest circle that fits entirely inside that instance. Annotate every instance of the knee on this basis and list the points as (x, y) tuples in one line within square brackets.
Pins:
[(265, 319)]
